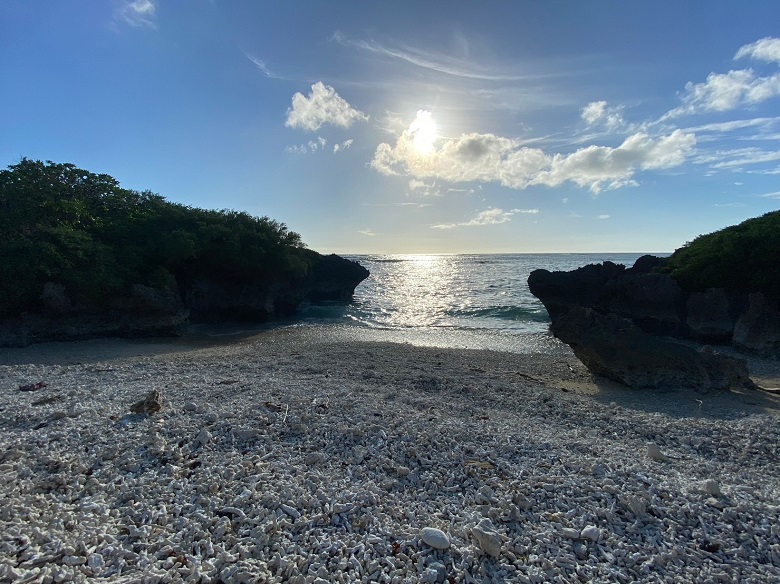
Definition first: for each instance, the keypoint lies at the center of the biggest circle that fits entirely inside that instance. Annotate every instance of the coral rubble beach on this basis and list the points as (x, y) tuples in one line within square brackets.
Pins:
[(289, 456)]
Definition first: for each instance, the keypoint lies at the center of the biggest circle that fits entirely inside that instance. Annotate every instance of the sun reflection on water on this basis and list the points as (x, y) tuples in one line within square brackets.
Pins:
[(422, 288)]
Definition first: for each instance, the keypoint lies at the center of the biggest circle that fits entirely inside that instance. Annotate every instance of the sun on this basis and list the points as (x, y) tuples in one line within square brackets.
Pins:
[(423, 132)]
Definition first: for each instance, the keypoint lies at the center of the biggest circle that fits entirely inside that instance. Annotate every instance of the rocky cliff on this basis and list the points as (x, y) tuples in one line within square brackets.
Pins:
[(626, 324), (146, 311), (654, 301)]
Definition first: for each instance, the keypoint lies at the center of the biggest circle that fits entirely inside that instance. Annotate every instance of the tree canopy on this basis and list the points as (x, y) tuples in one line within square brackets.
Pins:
[(741, 258), (62, 224)]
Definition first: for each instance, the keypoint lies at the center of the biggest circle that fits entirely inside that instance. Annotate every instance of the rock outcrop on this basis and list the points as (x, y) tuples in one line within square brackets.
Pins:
[(616, 348), (330, 278), (147, 312), (658, 305), (622, 324)]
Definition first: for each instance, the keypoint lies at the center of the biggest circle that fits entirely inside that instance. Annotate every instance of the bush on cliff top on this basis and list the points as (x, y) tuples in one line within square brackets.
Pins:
[(741, 258), (62, 224)]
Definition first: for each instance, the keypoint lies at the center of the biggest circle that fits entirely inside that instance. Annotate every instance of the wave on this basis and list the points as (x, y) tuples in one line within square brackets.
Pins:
[(501, 312)]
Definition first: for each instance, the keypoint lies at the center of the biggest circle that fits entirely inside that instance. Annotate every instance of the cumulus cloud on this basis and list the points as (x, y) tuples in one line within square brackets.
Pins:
[(739, 87), (136, 13), (490, 158), (766, 49), (726, 91), (600, 113), (492, 216), (322, 106)]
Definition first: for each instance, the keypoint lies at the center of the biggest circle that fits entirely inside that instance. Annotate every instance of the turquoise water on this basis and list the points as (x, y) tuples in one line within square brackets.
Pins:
[(472, 301)]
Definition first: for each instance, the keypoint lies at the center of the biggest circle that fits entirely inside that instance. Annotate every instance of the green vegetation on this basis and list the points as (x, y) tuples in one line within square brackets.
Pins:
[(742, 258), (61, 224)]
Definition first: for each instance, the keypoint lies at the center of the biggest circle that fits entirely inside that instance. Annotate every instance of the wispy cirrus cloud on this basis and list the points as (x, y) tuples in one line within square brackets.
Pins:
[(136, 13), (492, 216), (733, 125), (743, 157), (262, 66), (323, 106), (367, 232), (439, 63)]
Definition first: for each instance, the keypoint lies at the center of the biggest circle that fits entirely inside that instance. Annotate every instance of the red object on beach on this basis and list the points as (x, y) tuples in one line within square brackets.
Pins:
[(33, 386)]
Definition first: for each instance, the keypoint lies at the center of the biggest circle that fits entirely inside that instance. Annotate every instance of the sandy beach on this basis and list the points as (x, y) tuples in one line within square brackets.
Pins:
[(291, 456)]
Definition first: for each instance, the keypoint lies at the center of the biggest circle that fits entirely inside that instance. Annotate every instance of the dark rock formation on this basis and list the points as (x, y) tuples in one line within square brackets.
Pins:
[(616, 348), (758, 328), (655, 303), (711, 315), (618, 322), (330, 278), (146, 312), (149, 312), (334, 278)]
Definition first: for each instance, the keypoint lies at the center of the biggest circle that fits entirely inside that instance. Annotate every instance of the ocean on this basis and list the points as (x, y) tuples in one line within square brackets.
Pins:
[(463, 301)]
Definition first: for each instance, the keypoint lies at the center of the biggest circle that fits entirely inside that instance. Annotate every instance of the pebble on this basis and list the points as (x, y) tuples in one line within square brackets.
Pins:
[(435, 538), (487, 538), (268, 487), (204, 437), (712, 487), (654, 453), (591, 532)]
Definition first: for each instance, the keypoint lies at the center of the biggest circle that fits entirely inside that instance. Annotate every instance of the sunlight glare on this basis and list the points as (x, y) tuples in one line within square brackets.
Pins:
[(423, 132)]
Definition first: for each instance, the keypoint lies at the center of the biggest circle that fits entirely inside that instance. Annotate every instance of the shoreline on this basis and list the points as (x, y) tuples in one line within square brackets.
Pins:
[(295, 456)]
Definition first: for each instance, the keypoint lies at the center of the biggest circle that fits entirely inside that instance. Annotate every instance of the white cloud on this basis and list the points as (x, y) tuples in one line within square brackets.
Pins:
[(343, 146), (492, 216), (766, 49), (491, 158), (322, 106), (727, 91), (599, 113), (262, 66), (136, 13), (774, 195), (604, 216), (424, 188), (439, 63), (317, 144), (311, 146), (738, 158), (367, 232), (297, 149)]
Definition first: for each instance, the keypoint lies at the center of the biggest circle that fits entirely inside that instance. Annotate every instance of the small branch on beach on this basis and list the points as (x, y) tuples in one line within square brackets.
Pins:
[(286, 410)]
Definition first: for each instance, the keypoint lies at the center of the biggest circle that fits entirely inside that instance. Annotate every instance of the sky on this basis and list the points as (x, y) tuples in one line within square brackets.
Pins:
[(413, 127)]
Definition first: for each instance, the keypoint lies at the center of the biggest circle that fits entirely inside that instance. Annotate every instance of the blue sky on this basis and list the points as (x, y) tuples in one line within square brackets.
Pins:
[(413, 127)]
